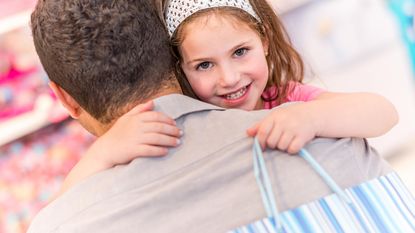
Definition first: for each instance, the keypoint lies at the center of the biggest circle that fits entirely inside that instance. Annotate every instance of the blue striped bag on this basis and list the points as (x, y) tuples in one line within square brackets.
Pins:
[(383, 204)]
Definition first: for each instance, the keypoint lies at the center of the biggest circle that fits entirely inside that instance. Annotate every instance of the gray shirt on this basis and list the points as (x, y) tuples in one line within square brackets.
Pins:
[(206, 184)]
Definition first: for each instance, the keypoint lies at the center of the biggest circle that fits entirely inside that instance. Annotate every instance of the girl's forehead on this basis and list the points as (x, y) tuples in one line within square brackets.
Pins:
[(214, 20), (215, 34), (215, 17)]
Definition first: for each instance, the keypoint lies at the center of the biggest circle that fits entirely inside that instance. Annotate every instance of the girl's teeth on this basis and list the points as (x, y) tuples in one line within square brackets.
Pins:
[(237, 94)]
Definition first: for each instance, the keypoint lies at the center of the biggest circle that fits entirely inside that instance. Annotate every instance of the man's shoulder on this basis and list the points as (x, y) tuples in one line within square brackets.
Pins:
[(177, 105), (70, 206), (47, 220)]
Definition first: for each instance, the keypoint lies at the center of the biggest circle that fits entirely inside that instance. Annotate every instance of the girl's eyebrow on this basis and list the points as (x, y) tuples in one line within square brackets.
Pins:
[(244, 43), (197, 60), (241, 44)]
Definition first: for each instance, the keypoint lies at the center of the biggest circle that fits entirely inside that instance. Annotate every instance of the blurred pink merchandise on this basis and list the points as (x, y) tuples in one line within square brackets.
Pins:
[(32, 169), (21, 78), (10, 7)]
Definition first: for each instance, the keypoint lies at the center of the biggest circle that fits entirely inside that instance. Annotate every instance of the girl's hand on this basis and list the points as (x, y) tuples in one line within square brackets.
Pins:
[(286, 128), (139, 133), (330, 114)]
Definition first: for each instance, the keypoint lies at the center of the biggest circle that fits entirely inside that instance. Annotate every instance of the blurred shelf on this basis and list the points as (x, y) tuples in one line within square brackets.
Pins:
[(15, 21), (15, 14)]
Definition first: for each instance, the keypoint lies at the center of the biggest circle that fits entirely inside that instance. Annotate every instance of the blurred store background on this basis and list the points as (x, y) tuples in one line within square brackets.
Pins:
[(348, 45), (362, 45), (39, 144)]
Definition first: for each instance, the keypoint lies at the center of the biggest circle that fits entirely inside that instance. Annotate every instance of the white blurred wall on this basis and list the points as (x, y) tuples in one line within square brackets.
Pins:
[(355, 45)]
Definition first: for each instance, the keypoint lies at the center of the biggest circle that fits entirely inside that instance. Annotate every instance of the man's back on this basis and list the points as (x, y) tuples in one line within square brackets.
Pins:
[(207, 184)]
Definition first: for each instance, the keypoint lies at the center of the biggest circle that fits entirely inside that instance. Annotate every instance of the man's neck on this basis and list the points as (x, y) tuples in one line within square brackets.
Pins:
[(171, 87)]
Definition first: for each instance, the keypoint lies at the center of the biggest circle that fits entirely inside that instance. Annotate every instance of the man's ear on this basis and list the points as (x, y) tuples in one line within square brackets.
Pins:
[(67, 101)]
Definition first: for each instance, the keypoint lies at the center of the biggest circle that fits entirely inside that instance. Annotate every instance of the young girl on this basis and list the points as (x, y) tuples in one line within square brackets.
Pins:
[(236, 54)]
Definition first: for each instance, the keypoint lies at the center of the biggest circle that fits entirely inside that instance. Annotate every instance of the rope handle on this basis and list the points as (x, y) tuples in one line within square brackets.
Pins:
[(265, 187)]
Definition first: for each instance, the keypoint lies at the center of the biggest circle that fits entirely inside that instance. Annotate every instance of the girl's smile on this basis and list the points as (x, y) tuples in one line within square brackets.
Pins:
[(237, 97)]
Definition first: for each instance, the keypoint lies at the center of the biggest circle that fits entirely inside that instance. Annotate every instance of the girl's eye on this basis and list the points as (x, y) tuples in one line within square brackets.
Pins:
[(240, 52), (204, 66)]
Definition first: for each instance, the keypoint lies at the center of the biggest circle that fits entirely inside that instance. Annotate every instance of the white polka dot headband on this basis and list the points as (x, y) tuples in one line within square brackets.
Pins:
[(179, 10)]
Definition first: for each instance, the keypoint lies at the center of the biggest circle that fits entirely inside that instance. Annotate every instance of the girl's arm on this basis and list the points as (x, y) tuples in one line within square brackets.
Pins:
[(139, 133), (362, 115), (328, 115)]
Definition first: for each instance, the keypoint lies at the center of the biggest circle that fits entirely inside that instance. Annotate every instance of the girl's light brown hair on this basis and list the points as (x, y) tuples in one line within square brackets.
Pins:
[(284, 63)]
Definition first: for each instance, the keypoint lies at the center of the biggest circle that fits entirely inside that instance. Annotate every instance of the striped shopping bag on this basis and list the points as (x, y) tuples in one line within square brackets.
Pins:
[(383, 204)]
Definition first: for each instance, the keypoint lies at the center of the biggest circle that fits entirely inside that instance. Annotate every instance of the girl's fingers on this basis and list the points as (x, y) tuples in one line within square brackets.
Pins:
[(152, 116), (150, 151), (156, 139), (142, 150), (161, 128), (253, 130), (274, 137), (285, 140), (263, 132), (144, 113), (295, 146)]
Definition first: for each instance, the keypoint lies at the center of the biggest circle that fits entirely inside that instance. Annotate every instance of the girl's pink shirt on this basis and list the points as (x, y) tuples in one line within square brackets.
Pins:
[(298, 92)]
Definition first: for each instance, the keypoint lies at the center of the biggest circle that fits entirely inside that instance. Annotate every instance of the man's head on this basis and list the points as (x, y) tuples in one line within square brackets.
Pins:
[(102, 57)]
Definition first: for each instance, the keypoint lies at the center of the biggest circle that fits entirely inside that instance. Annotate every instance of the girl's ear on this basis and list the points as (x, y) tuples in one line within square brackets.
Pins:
[(67, 101)]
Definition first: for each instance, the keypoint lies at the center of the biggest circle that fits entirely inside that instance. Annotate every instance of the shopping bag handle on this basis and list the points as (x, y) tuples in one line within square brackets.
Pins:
[(264, 184), (324, 175), (265, 187)]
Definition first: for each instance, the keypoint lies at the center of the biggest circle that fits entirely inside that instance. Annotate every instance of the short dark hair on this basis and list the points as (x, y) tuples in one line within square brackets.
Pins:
[(105, 53)]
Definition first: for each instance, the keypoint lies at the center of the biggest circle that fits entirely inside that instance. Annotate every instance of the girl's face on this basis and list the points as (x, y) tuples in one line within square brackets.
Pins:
[(224, 62)]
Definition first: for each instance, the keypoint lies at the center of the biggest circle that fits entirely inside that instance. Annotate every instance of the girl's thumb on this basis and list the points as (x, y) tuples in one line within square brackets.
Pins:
[(252, 131)]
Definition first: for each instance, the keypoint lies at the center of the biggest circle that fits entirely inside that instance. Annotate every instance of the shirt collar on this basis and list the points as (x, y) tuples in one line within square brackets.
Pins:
[(177, 105)]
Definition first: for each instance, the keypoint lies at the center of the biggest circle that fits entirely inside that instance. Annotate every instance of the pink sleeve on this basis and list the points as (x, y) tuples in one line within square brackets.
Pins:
[(301, 92)]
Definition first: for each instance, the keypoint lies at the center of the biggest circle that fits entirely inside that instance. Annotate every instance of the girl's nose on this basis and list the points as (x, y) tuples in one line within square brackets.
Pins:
[(228, 77)]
